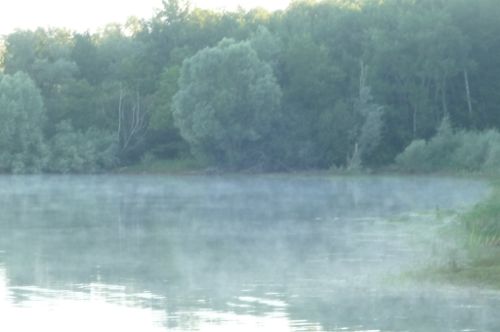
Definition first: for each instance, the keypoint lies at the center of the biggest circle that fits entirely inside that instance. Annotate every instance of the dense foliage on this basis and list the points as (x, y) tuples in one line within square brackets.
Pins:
[(334, 83), (227, 102), (22, 148), (453, 151)]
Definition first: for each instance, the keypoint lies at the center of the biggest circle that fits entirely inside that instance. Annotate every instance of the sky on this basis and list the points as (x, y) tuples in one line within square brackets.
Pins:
[(82, 15)]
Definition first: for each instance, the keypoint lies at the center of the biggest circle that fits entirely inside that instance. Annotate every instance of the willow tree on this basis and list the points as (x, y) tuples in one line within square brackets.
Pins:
[(227, 102)]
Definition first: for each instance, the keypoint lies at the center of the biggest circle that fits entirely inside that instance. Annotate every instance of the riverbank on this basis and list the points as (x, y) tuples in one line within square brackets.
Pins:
[(194, 167), (466, 248), (163, 166)]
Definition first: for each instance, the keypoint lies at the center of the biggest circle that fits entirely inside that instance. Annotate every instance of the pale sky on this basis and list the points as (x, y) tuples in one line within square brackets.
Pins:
[(81, 15)]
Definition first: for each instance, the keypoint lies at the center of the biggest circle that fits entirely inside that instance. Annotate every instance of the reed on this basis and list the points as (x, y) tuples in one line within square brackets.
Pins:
[(483, 220)]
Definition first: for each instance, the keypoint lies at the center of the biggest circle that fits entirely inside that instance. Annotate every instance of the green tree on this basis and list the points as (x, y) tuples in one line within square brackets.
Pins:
[(52, 74), (368, 132), (474, 96), (309, 81), (413, 52), (24, 47), (162, 114), (227, 104), (134, 26), (81, 104), (22, 148), (268, 46), (20, 51), (85, 53), (2, 53), (169, 142)]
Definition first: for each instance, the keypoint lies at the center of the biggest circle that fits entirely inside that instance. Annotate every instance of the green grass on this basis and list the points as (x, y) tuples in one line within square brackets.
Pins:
[(483, 220), (166, 166), (468, 249), (482, 271)]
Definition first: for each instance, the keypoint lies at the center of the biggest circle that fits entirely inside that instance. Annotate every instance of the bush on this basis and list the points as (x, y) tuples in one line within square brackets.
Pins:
[(483, 220), (76, 152), (414, 157), (442, 147), (449, 151), (473, 150)]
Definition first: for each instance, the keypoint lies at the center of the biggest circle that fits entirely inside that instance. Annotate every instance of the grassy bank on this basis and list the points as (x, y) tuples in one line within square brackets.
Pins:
[(468, 248), (482, 270), (483, 220)]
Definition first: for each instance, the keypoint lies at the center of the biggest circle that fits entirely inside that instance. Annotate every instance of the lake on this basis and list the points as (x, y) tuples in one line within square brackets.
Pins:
[(243, 253)]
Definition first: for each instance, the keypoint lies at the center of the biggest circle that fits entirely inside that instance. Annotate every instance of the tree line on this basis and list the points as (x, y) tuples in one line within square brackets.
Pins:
[(334, 83)]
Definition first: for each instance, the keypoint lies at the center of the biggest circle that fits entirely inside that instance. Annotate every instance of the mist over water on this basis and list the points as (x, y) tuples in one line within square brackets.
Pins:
[(162, 253)]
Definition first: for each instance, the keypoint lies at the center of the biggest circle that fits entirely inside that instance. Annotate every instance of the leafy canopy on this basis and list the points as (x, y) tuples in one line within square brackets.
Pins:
[(227, 102), (22, 149)]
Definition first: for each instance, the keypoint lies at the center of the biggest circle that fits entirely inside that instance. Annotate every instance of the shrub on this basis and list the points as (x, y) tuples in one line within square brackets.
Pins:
[(449, 151), (77, 152), (472, 151), (483, 220), (441, 148), (414, 157)]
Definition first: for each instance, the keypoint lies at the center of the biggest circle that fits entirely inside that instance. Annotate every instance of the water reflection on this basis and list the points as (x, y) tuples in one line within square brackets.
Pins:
[(100, 307), (144, 253), (33, 309)]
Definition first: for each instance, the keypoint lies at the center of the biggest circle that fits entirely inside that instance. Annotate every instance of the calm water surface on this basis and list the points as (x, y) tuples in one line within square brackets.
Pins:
[(160, 253)]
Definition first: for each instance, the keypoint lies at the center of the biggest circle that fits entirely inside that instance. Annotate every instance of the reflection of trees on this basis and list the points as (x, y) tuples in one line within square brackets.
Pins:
[(65, 231), (207, 239)]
